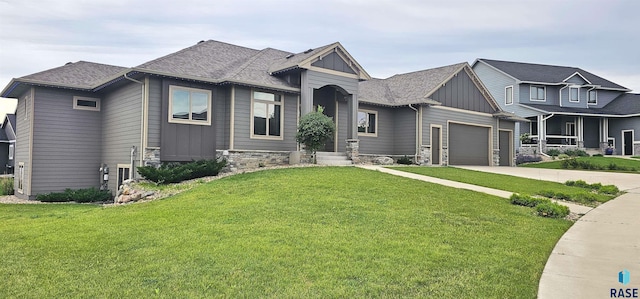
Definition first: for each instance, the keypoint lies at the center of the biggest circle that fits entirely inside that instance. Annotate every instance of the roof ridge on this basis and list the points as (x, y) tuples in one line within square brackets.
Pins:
[(245, 65), (198, 44), (532, 63)]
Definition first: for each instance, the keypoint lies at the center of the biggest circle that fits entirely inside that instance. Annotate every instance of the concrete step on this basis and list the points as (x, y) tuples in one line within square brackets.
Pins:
[(332, 158), (332, 154), (335, 162)]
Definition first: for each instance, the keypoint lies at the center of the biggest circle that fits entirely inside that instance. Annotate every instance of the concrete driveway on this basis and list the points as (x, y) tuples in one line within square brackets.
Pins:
[(588, 258)]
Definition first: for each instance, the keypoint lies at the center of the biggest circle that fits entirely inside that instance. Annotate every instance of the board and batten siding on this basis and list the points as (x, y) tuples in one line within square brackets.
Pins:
[(66, 142), (242, 123), (438, 116), (154, 110), (460, 92), (334, 62), (23, 142), (186, 142), (121, 128)]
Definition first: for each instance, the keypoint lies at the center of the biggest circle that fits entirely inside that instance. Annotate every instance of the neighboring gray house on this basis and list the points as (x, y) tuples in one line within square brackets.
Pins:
[(568, 107), (7, 143), (79, 121)]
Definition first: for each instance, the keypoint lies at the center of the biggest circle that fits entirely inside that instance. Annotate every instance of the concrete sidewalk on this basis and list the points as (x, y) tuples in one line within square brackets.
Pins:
[(579, 209), (587, 259)]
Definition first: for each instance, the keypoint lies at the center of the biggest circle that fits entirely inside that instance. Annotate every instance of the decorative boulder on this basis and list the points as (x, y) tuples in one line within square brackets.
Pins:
[(383, 161)]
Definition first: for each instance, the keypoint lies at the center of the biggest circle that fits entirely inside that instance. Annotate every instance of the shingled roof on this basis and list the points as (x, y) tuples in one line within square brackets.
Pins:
[(409, 88), (81, 75), (541, 73)]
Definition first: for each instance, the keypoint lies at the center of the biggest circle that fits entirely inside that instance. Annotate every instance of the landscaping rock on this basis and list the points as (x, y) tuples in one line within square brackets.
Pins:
[(383, 161)]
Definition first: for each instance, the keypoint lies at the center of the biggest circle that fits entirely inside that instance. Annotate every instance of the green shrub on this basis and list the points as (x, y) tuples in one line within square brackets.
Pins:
[(609, 189), (597, 155), (77, 195), (404, 160), (169, 173), (526, 200), (552, 210), (576, 153), (6, 186), (554, 152), (584, 197), (315, 129), (563, 156)]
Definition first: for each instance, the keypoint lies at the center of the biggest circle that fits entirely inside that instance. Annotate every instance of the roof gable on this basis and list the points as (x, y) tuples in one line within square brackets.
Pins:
[(460, 91), (548, 74), (306, 60), (577, 78)]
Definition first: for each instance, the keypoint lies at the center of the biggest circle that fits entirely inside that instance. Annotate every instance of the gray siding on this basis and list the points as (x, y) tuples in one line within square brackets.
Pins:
[(154, 112), (184, 142), (334, 62), (605, 97), (383, 143), (66, 143), (616, 125), (436, 116), (4, 157), (460, 92), (242, 124), (343, 114), (496, 82), (576, 80), (318, 80), (591, 132), (552, 94), (121, 122), (23, 129), (404, 136)]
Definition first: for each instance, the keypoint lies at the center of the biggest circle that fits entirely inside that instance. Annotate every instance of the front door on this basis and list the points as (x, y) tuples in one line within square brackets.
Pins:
[(435, 145), (627, 142)]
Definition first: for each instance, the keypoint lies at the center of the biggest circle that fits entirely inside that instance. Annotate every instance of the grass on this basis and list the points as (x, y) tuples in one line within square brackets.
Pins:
[(503, 182), (6, 186), (635, 157), (601, 161), (293, 233)]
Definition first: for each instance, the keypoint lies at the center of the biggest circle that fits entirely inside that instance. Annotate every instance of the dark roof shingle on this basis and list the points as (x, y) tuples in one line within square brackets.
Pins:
[(547, 73), (81, 74)]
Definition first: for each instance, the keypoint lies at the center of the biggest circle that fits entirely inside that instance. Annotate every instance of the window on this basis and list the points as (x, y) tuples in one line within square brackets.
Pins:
[(574, 94), (538, 93), (84, 103), (20, 177), (189, 106), (266, 115), (124, 171), (593, 97), (11, 146), (367, 123), (508, 95)]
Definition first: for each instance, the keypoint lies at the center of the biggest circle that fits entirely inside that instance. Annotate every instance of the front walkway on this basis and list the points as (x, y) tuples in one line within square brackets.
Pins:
[(587, 259)]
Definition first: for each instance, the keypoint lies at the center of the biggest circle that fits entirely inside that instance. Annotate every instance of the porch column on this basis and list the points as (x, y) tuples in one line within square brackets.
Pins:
[(542, 134), (306, 95), (580, 131), (353, 144), (604, 134)]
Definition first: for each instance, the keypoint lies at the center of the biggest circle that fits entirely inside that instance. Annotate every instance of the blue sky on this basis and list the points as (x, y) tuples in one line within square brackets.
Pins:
[(386, 37)]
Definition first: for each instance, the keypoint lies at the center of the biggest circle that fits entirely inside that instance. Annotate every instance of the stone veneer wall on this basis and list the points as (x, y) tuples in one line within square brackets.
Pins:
[(371, 158)]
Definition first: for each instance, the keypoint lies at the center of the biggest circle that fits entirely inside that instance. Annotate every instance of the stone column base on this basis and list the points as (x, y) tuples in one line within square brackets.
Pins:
[(496, 157), (425, 154), (151, 157), (353, 150)]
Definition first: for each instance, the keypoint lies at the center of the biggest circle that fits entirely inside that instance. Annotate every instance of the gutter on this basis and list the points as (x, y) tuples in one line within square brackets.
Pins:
[(560, 93), (132, 172), (417, 147)]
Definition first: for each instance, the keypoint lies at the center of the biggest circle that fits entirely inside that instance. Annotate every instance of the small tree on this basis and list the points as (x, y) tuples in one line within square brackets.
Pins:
[(314, 130)]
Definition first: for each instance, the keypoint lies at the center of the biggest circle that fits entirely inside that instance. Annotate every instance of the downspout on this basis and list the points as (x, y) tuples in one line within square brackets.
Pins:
[(560, 93), (417, 147), (543, 128), (132, 171)]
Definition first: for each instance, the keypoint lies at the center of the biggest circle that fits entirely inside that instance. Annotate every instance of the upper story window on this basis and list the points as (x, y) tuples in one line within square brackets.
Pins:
[(574, 94), (538, 93), (593, 97), (367, 123), (508, 95), (266, 115), (189, 105), (85, 103)]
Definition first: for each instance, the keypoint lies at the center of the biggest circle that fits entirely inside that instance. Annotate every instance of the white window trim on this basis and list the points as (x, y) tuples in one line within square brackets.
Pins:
[(125, 166), (506, 92), (20, 184), (281, 104), (11, 149), (79, 107), (536, 87), (589, 97), (375, 134), (189, 121), (570, 89)]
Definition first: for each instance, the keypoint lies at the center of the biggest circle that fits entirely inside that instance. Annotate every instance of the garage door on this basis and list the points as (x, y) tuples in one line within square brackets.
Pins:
[(468, 145)]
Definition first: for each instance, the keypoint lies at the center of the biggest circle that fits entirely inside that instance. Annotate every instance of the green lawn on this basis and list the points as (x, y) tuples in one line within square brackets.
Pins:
[(500, 181), (601, 161), (293, 233)]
